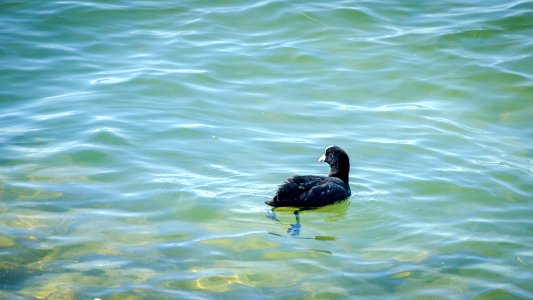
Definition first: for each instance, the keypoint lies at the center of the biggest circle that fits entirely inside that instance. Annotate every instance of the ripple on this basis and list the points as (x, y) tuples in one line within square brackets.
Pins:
[(144, 139), (107, 136), (109, 80)]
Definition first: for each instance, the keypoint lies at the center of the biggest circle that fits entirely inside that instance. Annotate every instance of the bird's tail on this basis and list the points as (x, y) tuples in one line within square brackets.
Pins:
[(271, 202)]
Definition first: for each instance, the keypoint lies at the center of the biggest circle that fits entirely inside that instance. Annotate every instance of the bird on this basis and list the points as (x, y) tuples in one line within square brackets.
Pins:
[(310, 191)]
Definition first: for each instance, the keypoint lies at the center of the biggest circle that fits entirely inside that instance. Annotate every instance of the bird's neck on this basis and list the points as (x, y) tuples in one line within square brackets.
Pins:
[(340, 173)]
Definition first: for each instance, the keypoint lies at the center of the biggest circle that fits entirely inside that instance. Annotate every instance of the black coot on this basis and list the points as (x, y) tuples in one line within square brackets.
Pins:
[(313, 191)]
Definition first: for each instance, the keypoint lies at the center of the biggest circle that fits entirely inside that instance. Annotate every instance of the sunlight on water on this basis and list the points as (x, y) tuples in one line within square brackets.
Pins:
[(139, 142)]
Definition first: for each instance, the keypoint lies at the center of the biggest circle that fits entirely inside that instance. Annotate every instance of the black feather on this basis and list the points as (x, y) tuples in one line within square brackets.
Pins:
[(314, 191)]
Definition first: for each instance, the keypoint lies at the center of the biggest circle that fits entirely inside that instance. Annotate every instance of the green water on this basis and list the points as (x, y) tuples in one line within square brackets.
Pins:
[(140, 139)]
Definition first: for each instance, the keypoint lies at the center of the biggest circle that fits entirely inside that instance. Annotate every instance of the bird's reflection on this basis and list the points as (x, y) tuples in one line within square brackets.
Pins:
[(294, 230), (333, 213)]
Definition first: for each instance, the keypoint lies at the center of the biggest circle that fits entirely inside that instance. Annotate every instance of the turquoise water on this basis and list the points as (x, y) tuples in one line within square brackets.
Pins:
[(139, 140)]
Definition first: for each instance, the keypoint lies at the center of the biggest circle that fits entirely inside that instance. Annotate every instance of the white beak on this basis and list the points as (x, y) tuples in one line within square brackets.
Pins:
[(322, 158)]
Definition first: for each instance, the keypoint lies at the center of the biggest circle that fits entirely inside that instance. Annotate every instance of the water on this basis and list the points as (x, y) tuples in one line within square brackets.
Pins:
[(139, 140)]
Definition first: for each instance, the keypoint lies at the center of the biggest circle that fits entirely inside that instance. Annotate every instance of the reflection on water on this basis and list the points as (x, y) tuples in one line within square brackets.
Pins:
[(330, 213), (136, 137)]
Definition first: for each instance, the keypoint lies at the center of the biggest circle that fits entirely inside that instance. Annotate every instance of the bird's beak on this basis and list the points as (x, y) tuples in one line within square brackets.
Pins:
[(322, 158)]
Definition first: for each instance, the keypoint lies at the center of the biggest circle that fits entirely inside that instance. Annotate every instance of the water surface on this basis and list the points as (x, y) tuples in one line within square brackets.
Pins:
[(139, 140)]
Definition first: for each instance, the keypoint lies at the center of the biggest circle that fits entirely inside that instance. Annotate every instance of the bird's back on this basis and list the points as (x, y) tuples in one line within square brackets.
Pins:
[(310, 191)]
